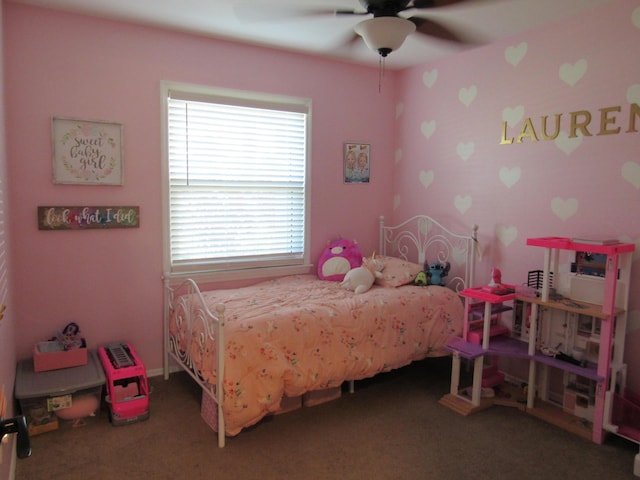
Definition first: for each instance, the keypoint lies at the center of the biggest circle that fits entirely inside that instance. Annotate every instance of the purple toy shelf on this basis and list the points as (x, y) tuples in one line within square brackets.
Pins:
[(505, 346)]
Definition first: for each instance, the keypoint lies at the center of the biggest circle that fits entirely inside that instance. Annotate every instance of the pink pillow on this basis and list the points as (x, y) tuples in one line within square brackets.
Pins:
[(397, 272)]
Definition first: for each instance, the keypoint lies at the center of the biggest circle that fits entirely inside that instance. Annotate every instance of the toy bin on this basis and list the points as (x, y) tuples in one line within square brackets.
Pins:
[(69, 394), (52, 356), (127, 386)]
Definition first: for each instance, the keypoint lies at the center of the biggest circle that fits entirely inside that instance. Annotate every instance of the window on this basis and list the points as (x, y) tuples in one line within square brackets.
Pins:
[(236, 190)]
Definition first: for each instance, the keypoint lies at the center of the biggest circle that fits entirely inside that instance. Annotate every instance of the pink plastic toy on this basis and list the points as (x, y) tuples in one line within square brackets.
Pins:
[(127, 387)]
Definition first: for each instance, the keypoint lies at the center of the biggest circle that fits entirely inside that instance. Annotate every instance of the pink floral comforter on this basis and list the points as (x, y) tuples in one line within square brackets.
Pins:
[(298, 333)]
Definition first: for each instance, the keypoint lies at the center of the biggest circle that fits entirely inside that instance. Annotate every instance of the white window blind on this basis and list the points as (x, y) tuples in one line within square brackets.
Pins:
[(237, 182)]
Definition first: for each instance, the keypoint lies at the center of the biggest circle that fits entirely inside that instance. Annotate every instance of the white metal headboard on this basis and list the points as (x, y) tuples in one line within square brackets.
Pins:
[(422, 238)]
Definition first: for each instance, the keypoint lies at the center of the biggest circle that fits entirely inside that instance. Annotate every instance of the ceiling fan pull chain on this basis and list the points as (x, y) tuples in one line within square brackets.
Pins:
[(381, 65)]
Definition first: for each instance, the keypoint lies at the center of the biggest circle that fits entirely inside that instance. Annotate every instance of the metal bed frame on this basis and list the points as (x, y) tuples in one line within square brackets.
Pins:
[(420, 237)]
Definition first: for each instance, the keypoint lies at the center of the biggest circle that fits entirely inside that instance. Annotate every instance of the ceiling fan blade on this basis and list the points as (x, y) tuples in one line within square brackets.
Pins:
[(437, 3), (388, 8), (438, 30), (349, 12), (247, 12)]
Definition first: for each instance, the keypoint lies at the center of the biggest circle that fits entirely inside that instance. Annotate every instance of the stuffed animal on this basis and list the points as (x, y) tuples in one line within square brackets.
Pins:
[(360, 279), (421, 279), (436, 272), (338, 257)]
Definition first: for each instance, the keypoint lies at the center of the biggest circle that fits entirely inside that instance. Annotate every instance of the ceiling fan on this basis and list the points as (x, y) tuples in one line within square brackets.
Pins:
[(384, 33), (387, 30)]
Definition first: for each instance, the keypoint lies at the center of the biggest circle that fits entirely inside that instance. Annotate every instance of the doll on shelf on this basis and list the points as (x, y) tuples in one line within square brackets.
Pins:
[(496, 278), (495, 285)]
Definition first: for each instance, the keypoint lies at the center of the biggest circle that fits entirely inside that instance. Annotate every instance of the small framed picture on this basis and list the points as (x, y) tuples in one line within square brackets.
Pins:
[(357, 162), (86, 152)]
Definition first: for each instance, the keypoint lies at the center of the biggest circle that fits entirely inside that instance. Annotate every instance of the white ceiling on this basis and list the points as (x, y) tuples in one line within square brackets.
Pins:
[(290, 24)]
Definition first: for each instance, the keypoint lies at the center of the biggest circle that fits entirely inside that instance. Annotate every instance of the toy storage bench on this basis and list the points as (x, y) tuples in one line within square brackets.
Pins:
[(70, 393)]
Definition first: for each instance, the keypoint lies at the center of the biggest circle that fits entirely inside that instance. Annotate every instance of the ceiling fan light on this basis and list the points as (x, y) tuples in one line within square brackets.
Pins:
[(385, 34)]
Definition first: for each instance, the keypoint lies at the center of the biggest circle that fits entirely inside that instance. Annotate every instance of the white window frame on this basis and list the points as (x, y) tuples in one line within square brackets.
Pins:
[(218, 271)]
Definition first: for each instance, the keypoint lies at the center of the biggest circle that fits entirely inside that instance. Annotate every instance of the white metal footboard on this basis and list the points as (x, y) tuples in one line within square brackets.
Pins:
[(188, 309)]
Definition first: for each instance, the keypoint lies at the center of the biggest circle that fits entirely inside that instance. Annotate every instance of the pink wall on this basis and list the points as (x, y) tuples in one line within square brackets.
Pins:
[(446, 157), (110, 281), (449, 159)]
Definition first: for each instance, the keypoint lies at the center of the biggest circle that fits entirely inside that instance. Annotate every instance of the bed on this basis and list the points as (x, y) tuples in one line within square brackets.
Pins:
[(249, 348)]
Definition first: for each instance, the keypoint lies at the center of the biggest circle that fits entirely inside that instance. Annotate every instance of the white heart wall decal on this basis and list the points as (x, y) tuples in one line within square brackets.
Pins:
[(633, 92), (566, 144), (428, 128), (468, 95), (461, 203), (429, 78), (465, 150), (514, 55), (506, 235), (396, 202), (631, 173), (510, 176), (571, 74), (426, 178), (564, 209), (635, 17), (513, 115), (398, 155)]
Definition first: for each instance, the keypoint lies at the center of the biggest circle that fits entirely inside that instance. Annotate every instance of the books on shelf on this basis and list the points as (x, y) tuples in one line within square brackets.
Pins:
[(596, 240)]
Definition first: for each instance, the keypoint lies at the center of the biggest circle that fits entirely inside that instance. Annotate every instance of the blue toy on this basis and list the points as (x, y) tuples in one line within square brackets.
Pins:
[(436, 272)]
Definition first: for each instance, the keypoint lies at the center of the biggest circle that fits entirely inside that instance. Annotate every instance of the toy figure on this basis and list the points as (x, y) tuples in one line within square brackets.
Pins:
[(496, 277), (436, 272), (421, 279), (70, 337), (360, 279)]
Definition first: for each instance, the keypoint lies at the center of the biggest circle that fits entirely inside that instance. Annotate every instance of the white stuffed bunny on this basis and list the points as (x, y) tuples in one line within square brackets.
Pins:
[(360, 279)]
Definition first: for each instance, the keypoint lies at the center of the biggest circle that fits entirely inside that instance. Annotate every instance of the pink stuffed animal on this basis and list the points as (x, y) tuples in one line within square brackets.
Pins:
[(360, 279), (338, 257)]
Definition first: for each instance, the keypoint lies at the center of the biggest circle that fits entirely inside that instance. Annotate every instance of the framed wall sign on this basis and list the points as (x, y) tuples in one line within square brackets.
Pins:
[(88, 217), (86, 152), (357, 162)]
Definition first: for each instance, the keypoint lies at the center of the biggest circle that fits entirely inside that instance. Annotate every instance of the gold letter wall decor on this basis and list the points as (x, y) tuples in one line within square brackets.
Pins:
[(579, 121)]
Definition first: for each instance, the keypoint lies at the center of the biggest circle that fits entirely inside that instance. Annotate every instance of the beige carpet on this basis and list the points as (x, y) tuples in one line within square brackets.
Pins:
[(391, 428)]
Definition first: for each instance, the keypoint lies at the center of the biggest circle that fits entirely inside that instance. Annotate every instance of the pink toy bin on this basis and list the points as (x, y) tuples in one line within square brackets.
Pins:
[(52, 356)]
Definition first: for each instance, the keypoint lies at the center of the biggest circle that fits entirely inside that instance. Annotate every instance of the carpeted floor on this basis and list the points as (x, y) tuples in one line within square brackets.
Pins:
[(392, 427)]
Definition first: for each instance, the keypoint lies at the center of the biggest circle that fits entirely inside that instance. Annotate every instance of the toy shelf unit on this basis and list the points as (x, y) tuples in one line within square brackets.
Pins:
[(578, 328), (127, 386), (568, 327), (483, 324)]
